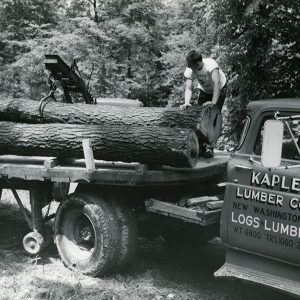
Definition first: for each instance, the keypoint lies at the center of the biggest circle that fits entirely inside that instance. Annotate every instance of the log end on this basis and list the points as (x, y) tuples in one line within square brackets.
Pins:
[(192, 148)]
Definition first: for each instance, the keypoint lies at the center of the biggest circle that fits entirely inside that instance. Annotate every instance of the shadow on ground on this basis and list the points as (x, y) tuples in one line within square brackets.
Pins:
[(157, 272)]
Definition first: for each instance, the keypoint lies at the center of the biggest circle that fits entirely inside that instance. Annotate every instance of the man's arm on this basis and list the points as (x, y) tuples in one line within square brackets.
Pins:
[(215, 76), (187, 94)]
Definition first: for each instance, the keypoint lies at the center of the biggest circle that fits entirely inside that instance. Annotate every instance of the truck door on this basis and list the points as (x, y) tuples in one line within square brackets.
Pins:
[(260, 220), (262, 206)]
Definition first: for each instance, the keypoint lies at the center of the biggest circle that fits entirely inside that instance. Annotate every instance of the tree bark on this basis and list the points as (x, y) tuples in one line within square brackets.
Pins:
[(206, 121), (148, 145), (119, 102)]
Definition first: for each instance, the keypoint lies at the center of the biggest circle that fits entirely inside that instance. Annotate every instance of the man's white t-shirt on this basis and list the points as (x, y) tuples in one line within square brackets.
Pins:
[(203, 76)]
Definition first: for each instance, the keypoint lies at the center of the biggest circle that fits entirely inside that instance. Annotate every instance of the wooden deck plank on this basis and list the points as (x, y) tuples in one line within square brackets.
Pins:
[(200, 217), (33, 168)]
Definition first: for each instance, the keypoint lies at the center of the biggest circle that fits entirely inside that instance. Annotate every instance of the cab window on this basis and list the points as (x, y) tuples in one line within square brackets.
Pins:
[(289, 150)]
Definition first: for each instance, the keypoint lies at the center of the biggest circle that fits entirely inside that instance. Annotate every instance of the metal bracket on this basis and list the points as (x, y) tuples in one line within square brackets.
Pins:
[(19, 201)]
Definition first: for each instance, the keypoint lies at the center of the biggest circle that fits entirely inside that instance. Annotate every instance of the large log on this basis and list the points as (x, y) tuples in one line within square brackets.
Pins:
[(149, 145), (206, 121)]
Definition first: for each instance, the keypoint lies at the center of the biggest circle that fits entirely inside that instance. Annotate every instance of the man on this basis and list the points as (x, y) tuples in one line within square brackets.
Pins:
[(211, 82)]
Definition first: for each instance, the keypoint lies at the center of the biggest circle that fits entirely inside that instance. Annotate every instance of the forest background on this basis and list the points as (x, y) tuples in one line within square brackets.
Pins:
[(136, 48)]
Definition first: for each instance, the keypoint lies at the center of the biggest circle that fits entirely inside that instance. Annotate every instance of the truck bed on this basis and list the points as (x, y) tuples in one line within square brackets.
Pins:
[(109, 173)]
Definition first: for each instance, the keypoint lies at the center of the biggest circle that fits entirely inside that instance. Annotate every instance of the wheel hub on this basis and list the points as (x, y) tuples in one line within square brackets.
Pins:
[(33, 242)]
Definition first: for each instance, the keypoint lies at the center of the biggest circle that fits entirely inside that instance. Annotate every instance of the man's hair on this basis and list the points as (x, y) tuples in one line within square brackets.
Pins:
[(193, 57)]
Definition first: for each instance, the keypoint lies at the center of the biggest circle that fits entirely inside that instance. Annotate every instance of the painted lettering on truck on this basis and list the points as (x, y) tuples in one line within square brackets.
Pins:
[(266, 209), (261, 211), (290, 185)]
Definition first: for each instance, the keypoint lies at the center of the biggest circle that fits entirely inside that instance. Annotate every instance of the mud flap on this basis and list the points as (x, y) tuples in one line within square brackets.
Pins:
[(261, 270)]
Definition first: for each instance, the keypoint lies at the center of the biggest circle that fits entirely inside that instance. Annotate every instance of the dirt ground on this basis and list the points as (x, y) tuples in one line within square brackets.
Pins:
[(158, 272)]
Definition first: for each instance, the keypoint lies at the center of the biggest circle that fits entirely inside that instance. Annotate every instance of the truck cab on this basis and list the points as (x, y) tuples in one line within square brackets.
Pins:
[(260, 221)]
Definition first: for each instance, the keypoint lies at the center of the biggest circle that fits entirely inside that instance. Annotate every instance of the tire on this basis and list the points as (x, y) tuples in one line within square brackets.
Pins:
[(127, 225), (128, 232), (86, 234)]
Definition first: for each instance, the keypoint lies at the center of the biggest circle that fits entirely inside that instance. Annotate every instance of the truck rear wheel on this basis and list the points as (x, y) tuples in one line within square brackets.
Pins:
[(86, 234), (127, 225)]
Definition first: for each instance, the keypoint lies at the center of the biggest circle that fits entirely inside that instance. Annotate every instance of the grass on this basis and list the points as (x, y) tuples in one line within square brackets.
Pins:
[(45, 277), (157, 272)]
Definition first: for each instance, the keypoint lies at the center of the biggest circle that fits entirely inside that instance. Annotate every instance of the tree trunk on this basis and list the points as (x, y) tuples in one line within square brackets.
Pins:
[(119, 102), (149, 145), (206, 121)]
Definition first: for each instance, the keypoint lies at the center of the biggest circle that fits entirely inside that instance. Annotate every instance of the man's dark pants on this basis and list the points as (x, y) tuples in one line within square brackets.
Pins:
[(204, 97)]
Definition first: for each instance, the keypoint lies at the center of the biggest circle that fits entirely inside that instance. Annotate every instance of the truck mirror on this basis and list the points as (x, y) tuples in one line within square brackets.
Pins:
[(272, 143)]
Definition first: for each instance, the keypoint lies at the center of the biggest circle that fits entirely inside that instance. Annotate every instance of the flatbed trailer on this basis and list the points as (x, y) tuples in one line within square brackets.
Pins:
[(108, 173), (96, 226)]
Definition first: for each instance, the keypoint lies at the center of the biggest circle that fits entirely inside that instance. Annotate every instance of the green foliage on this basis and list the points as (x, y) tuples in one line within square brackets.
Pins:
[(121, 50), (260, 41), (135, 43), (77, 8), (20, 17), (22, 24), (189, 27)]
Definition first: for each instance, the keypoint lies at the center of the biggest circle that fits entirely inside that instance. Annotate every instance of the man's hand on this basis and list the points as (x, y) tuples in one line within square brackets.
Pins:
[(185, 106), (208, 103)]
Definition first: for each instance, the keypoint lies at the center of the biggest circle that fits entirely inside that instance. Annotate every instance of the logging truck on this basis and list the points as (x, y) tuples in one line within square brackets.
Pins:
[(141, 172), (96, 225), (260, 220)]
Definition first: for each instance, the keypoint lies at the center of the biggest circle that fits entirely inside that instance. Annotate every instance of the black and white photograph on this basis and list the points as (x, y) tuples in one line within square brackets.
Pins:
[(149, 149)]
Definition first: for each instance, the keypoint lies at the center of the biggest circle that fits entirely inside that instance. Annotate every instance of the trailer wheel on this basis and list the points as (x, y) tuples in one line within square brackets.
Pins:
[(128, 232), (86, 234), (33, 242)]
